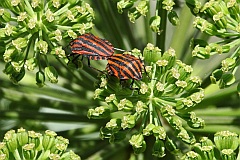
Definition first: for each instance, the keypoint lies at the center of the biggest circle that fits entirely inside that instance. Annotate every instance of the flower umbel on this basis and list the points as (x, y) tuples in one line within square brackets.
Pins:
[(34, 145), (167, 92), (31, 30), (220, 19)]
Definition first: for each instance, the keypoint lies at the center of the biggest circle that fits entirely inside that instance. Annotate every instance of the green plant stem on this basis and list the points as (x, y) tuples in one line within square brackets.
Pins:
[(183, 31), (161, 39)]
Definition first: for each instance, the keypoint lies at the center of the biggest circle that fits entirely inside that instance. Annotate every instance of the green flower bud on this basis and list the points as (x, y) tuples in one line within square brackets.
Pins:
[(173, 18), (10, 54), (4, 152), (48, 139), (72, 34), (228, 154), (58, 51), (220, 20), (140, 107), (155, 24), (32, 25), (125, 105), (28, 151), (5, 16), (10, 139), (9, 29), (194, 121), (159, 149), (159, 132), (35, 138), (128, 121), (186, 136), (22, 137), (19, 43), (42, 46), (133, 14), (198, 42), (226, 140), (37, 5), (205, 141), (194, 6), (40, 78), (138, 143), (205, 26), (168, 4), (198, 96), (142, 7), (160, 87), (124, 4), (111, 99), (3, 157), (52, 74), (191, 155), (171, 146), (226, 80), (31, 64), (151, 53), (147, 131), (99, 112), (70, 155), (143, 88), (228, 64), (206, 152), (216, 76), (200, 52), (97, 93), (54, 156), (114, 125), (17, 76)]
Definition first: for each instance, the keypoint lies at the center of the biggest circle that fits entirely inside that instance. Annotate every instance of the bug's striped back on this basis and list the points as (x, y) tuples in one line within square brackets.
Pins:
[(92, 47), (125, 66)]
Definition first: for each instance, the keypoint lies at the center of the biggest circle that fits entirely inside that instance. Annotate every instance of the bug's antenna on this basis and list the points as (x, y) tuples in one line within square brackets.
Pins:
[(118, 49)]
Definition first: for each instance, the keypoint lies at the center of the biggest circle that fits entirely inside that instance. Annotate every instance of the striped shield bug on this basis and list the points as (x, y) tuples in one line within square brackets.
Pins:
[(124, 67), (91, 47)]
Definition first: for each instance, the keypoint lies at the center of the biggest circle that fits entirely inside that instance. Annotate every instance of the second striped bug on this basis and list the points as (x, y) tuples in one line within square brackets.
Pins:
[(124, 67)]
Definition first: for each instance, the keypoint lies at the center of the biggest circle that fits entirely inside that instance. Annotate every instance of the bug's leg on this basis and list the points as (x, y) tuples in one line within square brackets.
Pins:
[(131, 87), (89, 65), (74, 59)]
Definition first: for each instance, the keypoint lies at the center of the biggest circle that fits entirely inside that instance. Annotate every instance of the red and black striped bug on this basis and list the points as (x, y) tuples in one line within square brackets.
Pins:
[(91, 47), (124, 67)]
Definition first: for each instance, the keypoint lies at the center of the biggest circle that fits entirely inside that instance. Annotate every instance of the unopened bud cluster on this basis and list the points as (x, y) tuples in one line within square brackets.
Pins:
[(32, 30), (220, 19), (164, 95), (32, 145), (141, 8), (224, 147)]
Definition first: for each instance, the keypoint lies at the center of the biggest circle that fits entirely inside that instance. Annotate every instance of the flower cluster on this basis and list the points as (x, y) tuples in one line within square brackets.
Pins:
[(225, 147), (32, 145), (220, 19), (30, 30), (166, 95), (141, 8)]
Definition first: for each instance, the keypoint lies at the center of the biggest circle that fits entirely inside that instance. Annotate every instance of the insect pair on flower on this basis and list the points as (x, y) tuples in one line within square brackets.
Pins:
[(122, 66)]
